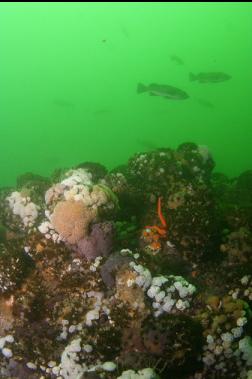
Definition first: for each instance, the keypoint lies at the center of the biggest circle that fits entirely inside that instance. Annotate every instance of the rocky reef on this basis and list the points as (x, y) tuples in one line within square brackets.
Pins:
[(141, 272)]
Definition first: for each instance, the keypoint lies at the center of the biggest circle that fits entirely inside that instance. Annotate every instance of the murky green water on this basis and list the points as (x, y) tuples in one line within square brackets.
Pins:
[(69, 73)]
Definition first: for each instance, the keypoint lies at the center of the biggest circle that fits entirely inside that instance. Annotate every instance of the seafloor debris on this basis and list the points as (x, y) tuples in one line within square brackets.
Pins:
[(143, 272)]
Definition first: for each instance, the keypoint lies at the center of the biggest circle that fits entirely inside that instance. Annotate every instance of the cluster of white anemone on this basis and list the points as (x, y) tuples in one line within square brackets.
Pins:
[(229, 346), (23, 207), (77, 186), (167, 293), (146, 373), (5, 346), (71, 367), (244, 291)]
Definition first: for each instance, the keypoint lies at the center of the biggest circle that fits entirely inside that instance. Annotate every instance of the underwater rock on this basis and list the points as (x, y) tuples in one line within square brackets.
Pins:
[(244, 181), (243, 193), (75, 301), (161, 335), (155, 171), (17, 370), (97, 170), (3, 233), (197, 210), (33, 181), (237, 246), (195, 159), (6, 314), (14, 267), (233, 201), (126, 233), (108, 269), (182, 179), (98, 243), (224, 329)]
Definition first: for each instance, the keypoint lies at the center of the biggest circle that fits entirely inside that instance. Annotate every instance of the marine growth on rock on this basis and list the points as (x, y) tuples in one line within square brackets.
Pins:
[(141, 272)]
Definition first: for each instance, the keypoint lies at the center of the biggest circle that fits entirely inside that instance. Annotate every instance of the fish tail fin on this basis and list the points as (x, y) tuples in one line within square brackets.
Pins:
[(141, 88), (192, 77)]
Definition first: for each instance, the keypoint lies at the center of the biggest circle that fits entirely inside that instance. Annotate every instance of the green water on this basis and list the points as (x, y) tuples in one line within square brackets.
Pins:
[(69, 72)]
